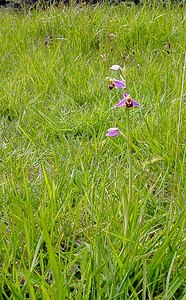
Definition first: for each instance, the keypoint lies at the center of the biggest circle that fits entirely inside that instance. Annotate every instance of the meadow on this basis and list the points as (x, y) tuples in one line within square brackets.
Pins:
[(68, 229)]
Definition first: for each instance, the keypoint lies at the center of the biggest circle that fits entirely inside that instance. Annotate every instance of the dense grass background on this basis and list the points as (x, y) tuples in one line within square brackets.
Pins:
[(64, 185)]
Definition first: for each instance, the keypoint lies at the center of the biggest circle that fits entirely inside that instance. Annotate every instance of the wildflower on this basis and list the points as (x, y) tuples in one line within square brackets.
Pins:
[(116, 67), (127, 101), (117, 83), (112, 132)]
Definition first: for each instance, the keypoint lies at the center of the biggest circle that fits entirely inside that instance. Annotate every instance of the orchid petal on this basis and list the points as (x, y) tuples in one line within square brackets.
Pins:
[(135, 103), (121, 103), (112, 132), (115, 67), (125, 95), (120, 84)]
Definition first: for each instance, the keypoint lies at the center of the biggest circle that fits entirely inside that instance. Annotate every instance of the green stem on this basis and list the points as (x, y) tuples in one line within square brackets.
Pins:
[(127, 201), (129, 151)]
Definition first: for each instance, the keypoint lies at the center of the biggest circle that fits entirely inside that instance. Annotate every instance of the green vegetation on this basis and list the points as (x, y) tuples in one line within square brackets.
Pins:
[(64, 184)]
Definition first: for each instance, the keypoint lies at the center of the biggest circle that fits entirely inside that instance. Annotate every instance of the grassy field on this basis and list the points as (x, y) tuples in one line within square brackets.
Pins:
[(85, 216)]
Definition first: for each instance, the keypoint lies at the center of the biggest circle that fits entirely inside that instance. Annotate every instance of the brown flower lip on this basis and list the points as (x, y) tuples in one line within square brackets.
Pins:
[(111, 85), (129, 103)]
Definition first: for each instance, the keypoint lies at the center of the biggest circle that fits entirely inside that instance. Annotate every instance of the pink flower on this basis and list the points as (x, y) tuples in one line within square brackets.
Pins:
[(117, 83), (127, 101), (112, 132)]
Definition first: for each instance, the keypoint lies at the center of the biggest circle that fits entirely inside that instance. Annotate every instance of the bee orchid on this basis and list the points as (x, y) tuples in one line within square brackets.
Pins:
[(127, 101), (117, 83), (112, 132)]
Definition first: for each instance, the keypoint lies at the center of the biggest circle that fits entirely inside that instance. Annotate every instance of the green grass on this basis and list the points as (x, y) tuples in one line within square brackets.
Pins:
[(64, 185)]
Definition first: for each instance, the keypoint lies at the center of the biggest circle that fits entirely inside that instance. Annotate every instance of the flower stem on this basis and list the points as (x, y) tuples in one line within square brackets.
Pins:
[(129, 151), (128, 201)]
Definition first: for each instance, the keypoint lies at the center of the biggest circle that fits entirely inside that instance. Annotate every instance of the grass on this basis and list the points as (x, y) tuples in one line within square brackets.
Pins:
[(64, 185)]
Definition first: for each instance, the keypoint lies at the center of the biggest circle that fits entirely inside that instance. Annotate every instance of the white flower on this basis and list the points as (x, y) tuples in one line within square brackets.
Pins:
[(116, 67)]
